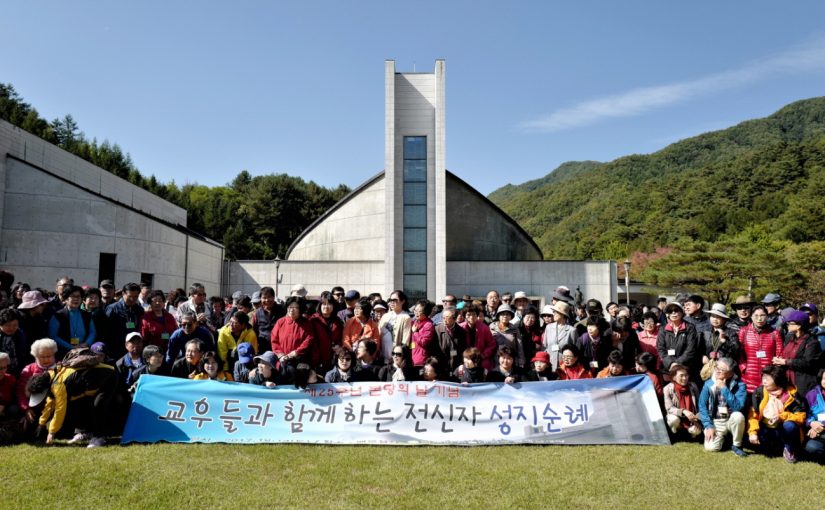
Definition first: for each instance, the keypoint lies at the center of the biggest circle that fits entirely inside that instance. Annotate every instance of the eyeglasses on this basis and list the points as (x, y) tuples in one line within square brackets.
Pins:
[(338, 294), (399, 354), (392, 300)]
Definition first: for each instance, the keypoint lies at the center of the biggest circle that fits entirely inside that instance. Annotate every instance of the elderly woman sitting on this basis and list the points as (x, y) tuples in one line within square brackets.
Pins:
[(776, 414), (681, 398)]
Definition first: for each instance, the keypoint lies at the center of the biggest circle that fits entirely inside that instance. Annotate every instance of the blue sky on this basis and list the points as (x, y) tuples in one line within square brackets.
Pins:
[(197, 91)]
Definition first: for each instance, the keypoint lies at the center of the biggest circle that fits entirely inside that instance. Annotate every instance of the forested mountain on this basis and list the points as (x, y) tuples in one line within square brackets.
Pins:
[(254, 217), (761, 178)]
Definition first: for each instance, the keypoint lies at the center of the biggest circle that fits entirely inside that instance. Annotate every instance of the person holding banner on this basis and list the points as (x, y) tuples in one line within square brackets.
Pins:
[(401, 368), (343, 370), (292, 340), (507, 371), (266, 372), (211, 369), (571, 369), (542, 369), (721, 407), (472, 371)]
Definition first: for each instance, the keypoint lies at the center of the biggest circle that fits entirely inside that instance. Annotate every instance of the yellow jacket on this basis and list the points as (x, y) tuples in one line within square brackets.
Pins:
[(794, 409), (226, 343), (67, 386)]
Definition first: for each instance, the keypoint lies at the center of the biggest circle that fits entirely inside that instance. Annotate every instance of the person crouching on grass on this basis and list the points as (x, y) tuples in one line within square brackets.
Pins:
[(542, 369), (615, 366), (681, 401), (77, 399), (211, 368)]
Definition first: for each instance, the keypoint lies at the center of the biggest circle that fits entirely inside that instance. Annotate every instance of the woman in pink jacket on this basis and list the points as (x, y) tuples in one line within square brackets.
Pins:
[(423, 341), (760, 343)]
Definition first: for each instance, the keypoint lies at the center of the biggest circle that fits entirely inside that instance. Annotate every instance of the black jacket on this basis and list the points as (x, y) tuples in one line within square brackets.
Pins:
[(684, 344), (806, 363)]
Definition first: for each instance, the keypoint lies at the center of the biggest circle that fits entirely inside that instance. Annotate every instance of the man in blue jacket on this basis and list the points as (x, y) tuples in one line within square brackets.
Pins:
[(722, 406)]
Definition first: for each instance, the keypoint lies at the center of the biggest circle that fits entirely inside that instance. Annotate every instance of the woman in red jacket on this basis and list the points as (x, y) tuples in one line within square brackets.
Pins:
[(328, 330), (157, 325), (480, 337), (570, 368), (291, 337), (760, 344)]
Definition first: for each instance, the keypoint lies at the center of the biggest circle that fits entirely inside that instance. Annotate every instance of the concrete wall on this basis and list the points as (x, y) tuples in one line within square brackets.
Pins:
[(354, 230), (51, 227), (477, 230), (365, 276), (597, 279)]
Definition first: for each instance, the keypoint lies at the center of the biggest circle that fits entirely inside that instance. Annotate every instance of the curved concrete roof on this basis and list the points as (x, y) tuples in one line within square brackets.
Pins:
[(501, 238)]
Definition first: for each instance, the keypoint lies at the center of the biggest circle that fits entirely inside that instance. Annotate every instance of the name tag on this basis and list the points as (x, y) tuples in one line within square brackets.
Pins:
[(130, 325), (554, 347), (453, 353), (74, 341), (594, 364), (723, 410), (820, 417), (761, 354), (164, 336), (412, 345), (671, 352)]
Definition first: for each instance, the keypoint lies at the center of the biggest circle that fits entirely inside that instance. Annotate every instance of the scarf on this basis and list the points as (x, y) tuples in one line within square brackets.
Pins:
[(398, 375), (685, 400)]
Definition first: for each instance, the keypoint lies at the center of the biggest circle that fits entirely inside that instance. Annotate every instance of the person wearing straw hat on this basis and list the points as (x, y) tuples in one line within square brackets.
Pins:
[(721, 341), (742, 313)]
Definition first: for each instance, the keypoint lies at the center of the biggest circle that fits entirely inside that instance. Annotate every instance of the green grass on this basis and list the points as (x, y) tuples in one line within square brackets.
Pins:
[(305, 476)]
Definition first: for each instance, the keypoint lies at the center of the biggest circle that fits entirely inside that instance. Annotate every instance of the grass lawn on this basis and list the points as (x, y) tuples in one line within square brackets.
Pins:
[(306, 476)]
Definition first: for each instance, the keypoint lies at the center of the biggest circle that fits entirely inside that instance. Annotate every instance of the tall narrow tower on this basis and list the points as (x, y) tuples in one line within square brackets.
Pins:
[(414, 167)]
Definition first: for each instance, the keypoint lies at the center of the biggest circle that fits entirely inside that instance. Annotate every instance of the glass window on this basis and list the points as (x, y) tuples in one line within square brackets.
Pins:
[(415, 239), (415, 193), (415, 262), (415, 216), (415, 286), (415, 147), (415, 170)]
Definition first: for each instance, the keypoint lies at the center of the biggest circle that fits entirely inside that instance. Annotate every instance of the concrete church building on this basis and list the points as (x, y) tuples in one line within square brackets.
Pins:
[(60, 215), (418, 227)]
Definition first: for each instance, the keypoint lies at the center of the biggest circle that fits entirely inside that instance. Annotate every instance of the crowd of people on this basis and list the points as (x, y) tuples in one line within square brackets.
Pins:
[(71, 359)]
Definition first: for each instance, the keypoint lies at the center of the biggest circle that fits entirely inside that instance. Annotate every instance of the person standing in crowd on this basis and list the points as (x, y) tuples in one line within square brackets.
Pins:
[(491, 307), (291, 339), (233, 334), (760, 344), (648, 337), (720, 341), (131, 362), (776, 415), (328, 331), (34, 317), (17, 293), (815, 421), (157, 325), (531, 332), (124, 318), (771, 302), (107, 293), (624, 340), (190, 329), (70, 326), (722, 407), (695, 314), (678, 341), (12, 339), (423, 343), (265, 317), (398, 321), (360, 326), (479, 336), (351, 299), (558, 333), (815, 329), (8, 384), (196, 305), (452, 340), (801, 354), (448, 301), (338, 298), (508, 335), (742, 308)]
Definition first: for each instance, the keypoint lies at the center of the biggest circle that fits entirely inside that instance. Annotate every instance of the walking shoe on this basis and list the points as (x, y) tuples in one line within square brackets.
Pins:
[(738, 451), (80, 437), (790, 458), (96, 442)]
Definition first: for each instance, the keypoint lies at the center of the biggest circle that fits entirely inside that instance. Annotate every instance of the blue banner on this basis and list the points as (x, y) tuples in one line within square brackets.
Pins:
[(616, 410)]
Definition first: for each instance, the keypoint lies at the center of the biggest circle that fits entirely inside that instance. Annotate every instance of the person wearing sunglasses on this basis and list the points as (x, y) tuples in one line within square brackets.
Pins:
[(400, 368), (190, 329)]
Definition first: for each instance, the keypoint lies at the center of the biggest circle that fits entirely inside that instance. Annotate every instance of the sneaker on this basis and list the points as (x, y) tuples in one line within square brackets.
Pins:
[(790, 458), (96, 442), (738, 451), (80, 437)]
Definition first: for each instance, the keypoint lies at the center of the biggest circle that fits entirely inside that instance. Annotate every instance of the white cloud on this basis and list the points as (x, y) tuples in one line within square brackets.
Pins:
[(810, 57)]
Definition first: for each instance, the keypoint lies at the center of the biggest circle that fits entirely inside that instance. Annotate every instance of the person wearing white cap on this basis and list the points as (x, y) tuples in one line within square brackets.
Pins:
[(298, 290), (520, 302), (719, 342), (558, 333)]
